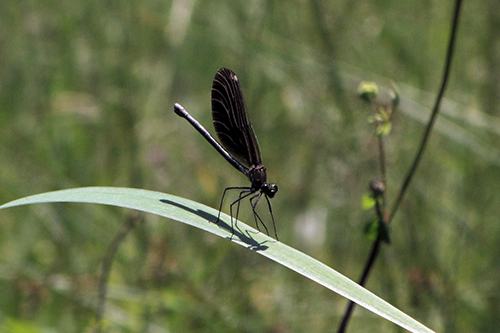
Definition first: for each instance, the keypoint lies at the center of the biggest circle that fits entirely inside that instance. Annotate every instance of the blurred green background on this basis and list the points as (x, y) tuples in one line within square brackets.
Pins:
[(86, 98)]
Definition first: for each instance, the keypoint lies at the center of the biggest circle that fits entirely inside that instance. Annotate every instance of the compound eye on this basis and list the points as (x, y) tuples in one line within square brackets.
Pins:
[(271, 190)]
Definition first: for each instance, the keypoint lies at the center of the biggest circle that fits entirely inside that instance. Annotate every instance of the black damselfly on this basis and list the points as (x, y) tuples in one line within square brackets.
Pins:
[(239, 143)]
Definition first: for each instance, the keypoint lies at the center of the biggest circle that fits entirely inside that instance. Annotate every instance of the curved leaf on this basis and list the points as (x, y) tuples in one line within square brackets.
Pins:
[(205, 218)]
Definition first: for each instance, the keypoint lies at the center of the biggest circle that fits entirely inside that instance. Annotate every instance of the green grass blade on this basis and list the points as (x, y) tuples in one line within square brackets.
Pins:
[(204, 217)]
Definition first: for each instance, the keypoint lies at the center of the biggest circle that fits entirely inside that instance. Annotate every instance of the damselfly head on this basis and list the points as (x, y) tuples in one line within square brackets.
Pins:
[(269, 190)]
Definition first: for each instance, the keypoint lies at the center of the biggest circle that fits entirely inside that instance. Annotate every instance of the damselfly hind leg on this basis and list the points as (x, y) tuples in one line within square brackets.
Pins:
[(243, 194)]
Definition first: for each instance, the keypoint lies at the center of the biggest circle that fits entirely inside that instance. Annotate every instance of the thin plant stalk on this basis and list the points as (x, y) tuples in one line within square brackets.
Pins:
[(435, 111)]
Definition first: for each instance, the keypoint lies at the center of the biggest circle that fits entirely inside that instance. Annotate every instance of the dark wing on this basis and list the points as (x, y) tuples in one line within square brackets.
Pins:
[(229, 113)]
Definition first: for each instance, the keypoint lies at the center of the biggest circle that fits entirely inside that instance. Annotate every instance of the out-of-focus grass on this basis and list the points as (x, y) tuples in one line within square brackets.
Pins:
[(86, 95)]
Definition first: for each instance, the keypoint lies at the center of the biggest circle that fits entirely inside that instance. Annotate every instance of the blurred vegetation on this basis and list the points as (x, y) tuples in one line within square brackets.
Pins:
[(86, 98)]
